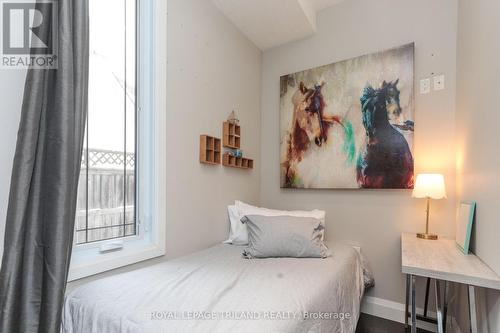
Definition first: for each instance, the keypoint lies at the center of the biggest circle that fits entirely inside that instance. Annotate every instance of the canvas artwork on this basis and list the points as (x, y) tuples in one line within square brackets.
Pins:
[(349, 124)]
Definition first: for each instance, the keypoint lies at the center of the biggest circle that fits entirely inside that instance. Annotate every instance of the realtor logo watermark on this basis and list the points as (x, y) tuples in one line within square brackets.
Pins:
[(28, 34)]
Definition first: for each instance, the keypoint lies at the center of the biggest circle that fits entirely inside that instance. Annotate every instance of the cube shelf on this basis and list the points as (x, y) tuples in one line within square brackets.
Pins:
[(237, 162), (231, 135), (210, 149)]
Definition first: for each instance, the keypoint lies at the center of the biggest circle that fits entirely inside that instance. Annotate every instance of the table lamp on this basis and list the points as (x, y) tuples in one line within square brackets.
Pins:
[(429, 186)]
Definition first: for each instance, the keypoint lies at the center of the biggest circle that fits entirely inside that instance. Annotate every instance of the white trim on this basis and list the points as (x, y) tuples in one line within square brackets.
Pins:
[(161, 124), (142, 248), (383, 308), (395, 311)]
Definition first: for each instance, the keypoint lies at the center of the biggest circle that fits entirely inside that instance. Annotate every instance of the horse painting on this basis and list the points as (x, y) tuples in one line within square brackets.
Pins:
[(310, 125), (385, 160), (349, 124)]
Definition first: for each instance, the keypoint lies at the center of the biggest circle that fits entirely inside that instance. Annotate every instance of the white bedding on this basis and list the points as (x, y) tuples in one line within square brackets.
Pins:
[(227, 291)]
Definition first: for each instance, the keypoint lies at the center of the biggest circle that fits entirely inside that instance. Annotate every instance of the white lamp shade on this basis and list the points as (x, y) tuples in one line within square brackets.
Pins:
[(429, 185)]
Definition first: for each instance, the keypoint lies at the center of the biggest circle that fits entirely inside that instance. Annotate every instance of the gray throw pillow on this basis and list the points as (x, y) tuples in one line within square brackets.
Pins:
[(284, 236)]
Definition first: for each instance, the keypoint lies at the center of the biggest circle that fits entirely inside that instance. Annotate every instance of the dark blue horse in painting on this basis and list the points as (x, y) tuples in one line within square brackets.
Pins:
[(386, 160)]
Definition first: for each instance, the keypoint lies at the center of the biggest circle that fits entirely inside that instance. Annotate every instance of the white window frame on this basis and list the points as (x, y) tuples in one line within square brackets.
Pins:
[(89, 259)]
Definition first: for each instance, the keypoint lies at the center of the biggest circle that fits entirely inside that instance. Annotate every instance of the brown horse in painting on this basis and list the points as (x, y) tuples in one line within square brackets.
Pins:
[(309, 124)]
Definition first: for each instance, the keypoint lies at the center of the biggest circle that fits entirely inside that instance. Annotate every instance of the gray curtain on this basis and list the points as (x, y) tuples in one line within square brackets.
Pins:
[(42, 201)]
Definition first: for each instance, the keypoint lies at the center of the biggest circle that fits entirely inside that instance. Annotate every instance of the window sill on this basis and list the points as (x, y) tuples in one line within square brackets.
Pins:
[(90, 262)]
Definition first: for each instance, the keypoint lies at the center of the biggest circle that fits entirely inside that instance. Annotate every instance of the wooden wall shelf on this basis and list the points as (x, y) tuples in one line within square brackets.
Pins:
[(231, 135), (237, 162), (210, 149)]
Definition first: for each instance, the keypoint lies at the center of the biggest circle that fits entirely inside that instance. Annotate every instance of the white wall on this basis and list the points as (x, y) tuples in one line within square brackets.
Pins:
[(212, 69), (478, 160), (374, 219), (11, 95)]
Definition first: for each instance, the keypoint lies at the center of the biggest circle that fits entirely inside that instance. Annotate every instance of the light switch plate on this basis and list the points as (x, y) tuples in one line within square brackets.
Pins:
[(425, 86), (439, 82)]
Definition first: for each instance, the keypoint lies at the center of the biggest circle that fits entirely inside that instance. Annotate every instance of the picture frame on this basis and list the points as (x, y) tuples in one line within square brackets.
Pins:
[(464, 222)]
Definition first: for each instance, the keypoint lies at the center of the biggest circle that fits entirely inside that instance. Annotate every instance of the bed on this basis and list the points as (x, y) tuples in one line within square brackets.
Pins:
[(216, 290)]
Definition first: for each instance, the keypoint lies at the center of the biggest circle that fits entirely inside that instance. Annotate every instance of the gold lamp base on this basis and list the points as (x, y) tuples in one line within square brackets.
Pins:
[(427, 236)]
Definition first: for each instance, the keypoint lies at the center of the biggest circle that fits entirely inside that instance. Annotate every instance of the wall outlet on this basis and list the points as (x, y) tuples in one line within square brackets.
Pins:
[(439, 82), (425, 86)]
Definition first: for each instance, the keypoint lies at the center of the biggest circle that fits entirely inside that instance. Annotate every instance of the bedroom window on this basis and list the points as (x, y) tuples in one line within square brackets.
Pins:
[(120, 216), (106, 206)]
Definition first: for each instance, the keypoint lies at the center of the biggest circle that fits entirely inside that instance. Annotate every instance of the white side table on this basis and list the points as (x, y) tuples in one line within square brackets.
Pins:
[(442, 261)]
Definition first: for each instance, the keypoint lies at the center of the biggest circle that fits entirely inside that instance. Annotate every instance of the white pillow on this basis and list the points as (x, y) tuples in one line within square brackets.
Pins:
[(239, 234), (284, 236), (246, 209)]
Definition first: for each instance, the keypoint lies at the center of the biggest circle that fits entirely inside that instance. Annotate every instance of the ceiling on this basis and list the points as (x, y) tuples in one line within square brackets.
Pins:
[(269, 23)]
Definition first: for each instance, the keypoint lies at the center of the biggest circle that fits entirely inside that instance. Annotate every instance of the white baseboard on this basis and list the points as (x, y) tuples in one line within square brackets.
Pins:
[(395, 311)]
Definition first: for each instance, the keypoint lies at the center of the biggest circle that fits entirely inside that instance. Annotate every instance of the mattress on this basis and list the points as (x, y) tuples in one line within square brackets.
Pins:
[(216, 290)]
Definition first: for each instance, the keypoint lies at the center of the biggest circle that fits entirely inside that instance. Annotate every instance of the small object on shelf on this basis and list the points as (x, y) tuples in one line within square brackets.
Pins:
[(231, 134), (210, 149), (232, 118), (235, 152), (237, 162)]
